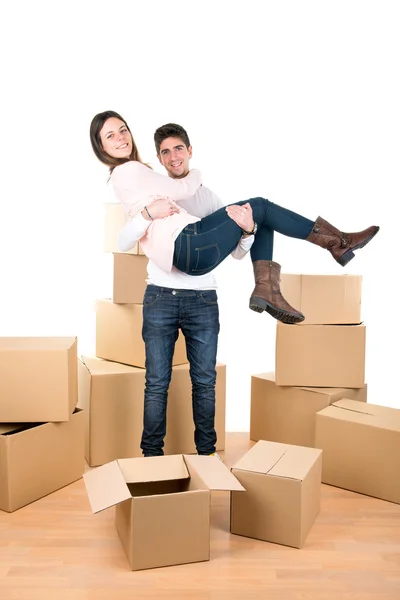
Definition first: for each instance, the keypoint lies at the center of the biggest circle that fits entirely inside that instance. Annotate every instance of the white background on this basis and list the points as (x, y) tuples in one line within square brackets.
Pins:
[(296, 101)]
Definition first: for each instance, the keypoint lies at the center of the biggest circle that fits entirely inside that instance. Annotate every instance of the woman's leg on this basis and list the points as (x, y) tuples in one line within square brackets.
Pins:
[(202, 246)]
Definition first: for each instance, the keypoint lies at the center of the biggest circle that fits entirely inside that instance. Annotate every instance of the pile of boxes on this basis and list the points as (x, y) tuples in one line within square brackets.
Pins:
[(111, 384), (41, 430), (310, 420), (317, 395)]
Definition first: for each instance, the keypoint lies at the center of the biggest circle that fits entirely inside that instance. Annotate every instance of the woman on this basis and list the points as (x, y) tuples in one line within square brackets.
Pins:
[(196, 246)]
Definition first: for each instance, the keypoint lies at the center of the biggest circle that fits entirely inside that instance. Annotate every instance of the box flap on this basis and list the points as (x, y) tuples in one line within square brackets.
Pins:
[(326, 391), (261, 457), (213, 472), (279, 460), (295, 463), (7, 428), (375, 415), (153, 468), (98, 366), (106, 486), (367, 409)]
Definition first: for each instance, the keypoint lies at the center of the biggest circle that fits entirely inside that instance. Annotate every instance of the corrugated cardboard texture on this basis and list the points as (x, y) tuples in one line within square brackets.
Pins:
[(361, 448), (282, 497), (112, 395), (286, 414), (38, 460), (320, 355), (324, 299), (114, 220), (119, 334), (129, 278), (160, 531), (38, 379)]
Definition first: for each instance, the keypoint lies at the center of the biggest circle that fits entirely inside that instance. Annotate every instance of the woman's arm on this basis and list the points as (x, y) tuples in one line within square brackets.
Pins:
[(132, 232), (139, 179), (135, 228)]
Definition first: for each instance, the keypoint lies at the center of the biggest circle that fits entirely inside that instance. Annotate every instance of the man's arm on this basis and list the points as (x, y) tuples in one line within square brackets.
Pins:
[(243, 216)]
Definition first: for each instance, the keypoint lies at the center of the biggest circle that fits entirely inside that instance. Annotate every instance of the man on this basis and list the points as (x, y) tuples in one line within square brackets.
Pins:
[(177, 301)]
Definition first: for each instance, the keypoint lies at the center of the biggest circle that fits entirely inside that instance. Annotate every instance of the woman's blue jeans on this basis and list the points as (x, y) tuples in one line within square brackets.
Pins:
[(202, 246)]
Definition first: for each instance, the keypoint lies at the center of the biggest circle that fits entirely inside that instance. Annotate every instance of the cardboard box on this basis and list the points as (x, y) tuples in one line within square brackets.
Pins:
[(324, 299), (283, 488), (129, 278), (119, 334), (36, 460), (361, 448), (112, 396), (38, 379), (114, 220), (320, 355), (286, 414), (162, 505)]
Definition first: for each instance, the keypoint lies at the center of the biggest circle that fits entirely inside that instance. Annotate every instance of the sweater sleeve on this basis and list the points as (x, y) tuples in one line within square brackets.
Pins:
[(139, 179), (132, 232)]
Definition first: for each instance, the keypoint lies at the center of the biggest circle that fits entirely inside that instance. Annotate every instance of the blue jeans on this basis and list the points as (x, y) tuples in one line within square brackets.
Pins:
[(202, 246), (195, 312)]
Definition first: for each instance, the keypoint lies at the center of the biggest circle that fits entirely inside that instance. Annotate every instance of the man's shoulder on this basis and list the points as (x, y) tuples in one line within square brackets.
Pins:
[(206, 193)]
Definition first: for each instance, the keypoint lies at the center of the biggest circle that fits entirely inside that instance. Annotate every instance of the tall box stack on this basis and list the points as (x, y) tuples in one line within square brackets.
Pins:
[(41, 430), (317, 362), (112, 389)]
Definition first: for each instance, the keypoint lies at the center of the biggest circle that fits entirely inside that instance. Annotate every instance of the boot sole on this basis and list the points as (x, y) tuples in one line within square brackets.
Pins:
[(259, 305), (349, 255)]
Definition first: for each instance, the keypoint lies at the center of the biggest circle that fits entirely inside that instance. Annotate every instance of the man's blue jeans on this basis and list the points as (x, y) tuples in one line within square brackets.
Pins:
[(195, 312)]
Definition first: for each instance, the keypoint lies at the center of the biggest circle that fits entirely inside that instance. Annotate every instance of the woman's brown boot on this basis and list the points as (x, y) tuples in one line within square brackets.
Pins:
[(340, 244), (267, 293)]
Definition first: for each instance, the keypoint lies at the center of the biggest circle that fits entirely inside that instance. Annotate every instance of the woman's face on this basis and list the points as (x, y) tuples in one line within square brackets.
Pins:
[(116, 139)]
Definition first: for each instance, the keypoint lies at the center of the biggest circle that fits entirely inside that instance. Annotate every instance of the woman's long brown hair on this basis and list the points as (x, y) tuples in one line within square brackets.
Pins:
[(95, 127)]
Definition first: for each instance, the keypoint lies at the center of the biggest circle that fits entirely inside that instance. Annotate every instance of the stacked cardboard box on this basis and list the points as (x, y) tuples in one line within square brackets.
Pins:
[(317, 362), (41, 430), (112, 389)]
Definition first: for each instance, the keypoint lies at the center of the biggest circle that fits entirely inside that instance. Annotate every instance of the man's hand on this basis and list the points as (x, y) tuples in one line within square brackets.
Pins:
[(242, 215), (160, 208)]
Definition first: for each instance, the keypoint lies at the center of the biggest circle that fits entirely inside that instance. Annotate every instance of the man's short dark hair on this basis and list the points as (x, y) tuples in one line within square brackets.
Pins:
[(170, 130)]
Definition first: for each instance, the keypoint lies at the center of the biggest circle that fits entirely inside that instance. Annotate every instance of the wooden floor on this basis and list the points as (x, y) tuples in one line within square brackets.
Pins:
[(57, 549)]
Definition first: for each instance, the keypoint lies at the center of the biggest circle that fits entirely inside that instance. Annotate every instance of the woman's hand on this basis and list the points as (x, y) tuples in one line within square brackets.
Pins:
[(160, 208)]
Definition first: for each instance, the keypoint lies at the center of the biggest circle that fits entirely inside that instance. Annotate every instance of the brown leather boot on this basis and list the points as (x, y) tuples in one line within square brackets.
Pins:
[(267, 293), (339, 244)]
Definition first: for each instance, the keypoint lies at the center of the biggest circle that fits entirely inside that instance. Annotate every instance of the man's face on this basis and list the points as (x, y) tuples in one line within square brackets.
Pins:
[(175, 157)]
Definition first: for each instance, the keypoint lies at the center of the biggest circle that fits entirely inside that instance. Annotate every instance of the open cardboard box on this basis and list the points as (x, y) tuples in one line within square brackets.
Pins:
[(162, 505), (37, 459)]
